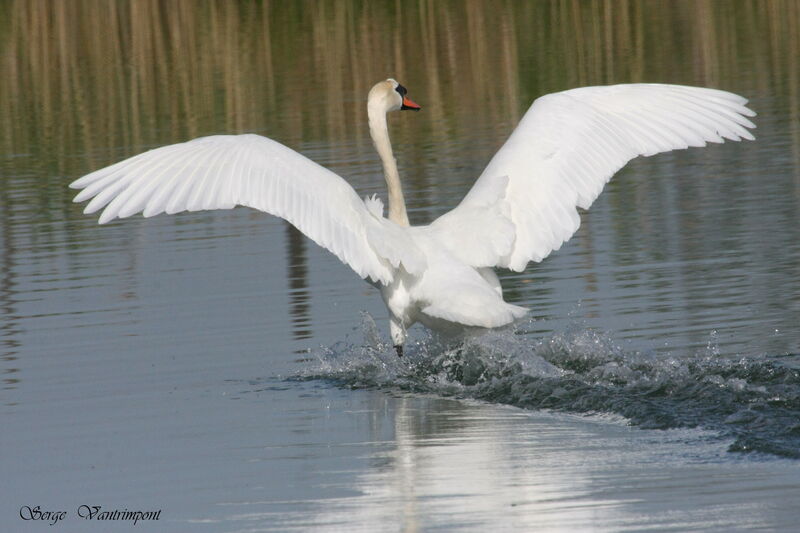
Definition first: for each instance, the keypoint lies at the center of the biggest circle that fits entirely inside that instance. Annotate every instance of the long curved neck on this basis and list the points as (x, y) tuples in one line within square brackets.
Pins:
[(380, 137)]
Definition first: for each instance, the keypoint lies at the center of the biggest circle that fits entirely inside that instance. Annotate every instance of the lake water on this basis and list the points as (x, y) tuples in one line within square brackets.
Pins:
[(221, 368)]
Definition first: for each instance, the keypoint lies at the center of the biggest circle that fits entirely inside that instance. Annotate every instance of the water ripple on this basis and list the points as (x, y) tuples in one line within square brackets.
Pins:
[(754, 402)]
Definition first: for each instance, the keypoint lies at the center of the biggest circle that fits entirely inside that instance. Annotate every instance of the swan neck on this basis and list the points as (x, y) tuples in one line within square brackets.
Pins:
[(379, 131)]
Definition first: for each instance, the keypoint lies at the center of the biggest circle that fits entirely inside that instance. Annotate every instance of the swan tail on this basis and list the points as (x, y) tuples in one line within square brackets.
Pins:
[(484, 309)]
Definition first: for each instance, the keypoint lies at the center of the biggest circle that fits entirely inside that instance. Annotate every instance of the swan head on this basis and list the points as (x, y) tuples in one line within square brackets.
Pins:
[(388, 95)]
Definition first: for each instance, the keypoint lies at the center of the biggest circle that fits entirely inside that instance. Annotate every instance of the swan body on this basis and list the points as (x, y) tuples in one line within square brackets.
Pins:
[(521, 208)]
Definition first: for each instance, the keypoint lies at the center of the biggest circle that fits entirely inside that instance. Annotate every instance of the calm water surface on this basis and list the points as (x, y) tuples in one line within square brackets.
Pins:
[(226, 370)]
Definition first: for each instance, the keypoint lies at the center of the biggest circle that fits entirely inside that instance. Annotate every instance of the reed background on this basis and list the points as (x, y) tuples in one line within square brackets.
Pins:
[(88, 76)]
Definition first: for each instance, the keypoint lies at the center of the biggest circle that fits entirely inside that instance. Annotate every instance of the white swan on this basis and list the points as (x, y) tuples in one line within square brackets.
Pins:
[(521, 208)]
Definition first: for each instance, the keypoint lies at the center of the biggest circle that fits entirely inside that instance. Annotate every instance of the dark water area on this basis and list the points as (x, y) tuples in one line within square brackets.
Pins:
[(223, 368), (752, 403)]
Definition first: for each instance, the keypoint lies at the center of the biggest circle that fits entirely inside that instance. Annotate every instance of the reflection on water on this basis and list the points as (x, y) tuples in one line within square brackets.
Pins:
[(441, 464), (88, 81), (9, 345), (451, 471), (688, 261), (297, 275)]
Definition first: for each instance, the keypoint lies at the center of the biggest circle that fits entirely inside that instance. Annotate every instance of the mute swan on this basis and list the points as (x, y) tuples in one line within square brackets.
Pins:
[(521, 208)]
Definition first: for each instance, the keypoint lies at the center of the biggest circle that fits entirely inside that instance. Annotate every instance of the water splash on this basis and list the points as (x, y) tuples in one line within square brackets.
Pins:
[(754, 401)]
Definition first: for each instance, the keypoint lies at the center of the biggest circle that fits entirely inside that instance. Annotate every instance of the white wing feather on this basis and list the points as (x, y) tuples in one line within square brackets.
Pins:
[(223, 171), (564, 150)]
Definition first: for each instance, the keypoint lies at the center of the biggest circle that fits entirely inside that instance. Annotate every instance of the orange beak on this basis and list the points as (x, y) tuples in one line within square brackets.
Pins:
[(409, 104)]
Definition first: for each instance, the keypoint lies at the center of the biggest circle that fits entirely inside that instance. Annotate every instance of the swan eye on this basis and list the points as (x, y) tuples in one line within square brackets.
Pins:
[(400, 89)]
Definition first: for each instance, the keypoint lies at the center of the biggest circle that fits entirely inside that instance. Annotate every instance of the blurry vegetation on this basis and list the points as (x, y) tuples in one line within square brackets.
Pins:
[(101, 79)]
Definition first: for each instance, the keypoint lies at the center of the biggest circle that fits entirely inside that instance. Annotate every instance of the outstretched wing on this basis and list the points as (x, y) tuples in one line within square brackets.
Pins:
[(564, 150), (223, 171)]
